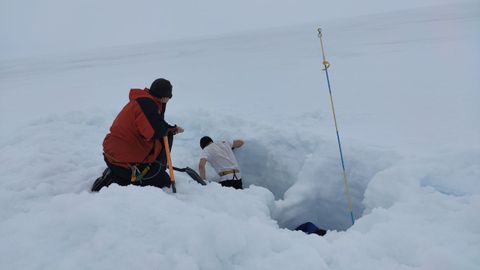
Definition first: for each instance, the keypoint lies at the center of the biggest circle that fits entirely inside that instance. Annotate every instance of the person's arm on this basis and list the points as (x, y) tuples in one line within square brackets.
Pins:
[(237, 143), (201, 168), (156, 121)]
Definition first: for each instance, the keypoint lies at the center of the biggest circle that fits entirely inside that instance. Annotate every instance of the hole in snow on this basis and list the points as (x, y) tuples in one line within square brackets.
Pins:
[(307, 180)]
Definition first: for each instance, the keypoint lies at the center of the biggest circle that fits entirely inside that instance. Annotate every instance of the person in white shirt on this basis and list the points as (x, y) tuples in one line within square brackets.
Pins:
[(220, 156)]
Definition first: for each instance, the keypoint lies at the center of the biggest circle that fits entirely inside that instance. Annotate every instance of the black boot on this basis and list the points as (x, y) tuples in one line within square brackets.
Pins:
[(103, 181)]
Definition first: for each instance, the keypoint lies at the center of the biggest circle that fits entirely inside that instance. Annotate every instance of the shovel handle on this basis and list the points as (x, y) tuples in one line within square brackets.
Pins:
[(169, 161)]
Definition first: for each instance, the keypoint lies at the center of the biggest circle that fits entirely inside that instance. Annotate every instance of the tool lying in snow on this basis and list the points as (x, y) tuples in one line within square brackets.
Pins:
[(192, 173)]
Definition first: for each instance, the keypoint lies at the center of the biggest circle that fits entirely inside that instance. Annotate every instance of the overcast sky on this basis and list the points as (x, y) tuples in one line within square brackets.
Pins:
[(30, 27)]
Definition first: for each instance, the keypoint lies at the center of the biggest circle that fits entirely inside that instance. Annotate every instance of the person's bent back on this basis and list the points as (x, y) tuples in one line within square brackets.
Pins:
[(221, 157)]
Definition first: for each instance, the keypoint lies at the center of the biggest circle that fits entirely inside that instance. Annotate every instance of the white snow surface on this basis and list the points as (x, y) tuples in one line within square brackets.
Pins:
[(406, 91)]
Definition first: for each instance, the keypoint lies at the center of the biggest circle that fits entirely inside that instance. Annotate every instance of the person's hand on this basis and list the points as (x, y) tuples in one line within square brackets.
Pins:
[(176, 130), (179, 130)]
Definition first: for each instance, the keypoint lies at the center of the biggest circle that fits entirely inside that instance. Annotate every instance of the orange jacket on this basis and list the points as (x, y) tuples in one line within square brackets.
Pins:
[(135, 135)]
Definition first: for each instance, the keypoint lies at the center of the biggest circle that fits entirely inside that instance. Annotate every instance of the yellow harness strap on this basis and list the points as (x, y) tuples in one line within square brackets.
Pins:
[(138, 177), (228, 172)]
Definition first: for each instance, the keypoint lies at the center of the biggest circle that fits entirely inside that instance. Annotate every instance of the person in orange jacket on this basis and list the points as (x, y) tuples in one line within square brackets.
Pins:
[(133, 149)]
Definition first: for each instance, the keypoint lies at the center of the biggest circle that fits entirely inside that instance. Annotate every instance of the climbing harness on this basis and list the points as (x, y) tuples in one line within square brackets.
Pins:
[(138, 175), (227, 172), (326, 64), (234, 171)]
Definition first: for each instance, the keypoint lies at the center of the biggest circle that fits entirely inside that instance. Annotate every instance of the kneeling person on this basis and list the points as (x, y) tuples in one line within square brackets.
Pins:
[(133, 149), (220, 156)]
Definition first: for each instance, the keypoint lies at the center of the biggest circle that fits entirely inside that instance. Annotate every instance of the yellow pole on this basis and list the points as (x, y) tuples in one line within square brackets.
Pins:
[(169, 161)]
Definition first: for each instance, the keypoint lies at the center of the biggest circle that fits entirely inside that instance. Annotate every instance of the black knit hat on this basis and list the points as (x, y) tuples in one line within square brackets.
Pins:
[(204, 141), (161, 88)]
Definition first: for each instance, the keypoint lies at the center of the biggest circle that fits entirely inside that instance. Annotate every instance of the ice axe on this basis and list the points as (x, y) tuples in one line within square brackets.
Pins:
[(169, 161), (192, 173)]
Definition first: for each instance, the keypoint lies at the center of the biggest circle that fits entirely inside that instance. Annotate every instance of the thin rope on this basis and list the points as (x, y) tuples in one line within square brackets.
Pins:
[(155, 174)]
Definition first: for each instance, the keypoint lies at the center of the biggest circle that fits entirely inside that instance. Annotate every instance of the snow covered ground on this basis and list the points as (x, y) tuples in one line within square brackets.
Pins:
[(405, 86)]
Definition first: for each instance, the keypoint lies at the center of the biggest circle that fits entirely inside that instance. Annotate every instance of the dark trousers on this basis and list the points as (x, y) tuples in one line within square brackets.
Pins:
[(236, 184), (156, 176)]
